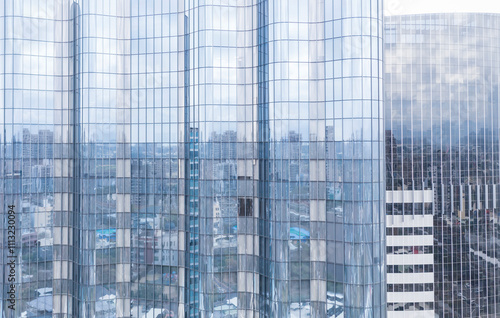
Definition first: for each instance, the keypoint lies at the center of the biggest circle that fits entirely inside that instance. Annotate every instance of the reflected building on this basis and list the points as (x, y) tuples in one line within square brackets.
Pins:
[(442, 165), (193, 158)]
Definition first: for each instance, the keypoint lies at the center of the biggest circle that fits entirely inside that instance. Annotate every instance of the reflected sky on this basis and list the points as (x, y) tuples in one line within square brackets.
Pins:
[(441, 73)]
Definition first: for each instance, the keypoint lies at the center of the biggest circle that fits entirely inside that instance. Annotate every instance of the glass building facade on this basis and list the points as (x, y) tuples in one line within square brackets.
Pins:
[(442, 164), (193, 158)]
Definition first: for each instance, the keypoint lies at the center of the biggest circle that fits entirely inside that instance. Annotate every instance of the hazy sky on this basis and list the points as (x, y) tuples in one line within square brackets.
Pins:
[(396, 7)]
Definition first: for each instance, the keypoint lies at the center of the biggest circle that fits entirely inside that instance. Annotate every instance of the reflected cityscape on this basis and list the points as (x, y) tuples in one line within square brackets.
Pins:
[(193, 158)]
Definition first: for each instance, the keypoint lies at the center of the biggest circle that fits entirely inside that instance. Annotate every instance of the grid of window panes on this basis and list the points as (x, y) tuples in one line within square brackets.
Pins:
[(442, 134), (99, 51), (156, 147), (222, 227), (31, 94), (132, 138), (326, 158)]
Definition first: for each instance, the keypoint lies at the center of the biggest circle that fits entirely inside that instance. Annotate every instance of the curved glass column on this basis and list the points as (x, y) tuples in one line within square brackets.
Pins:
[(325, 176), (35, 126), (221, 221)]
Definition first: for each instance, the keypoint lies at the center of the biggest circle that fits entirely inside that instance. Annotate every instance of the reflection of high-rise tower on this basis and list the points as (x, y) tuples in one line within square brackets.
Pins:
[(442, 176), (217, 217), (193, 220)]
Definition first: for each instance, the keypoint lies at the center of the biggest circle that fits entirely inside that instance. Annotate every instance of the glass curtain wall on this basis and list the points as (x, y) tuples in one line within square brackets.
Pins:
[(193, 158), (36, 129), (325, 177), (442, 135)]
